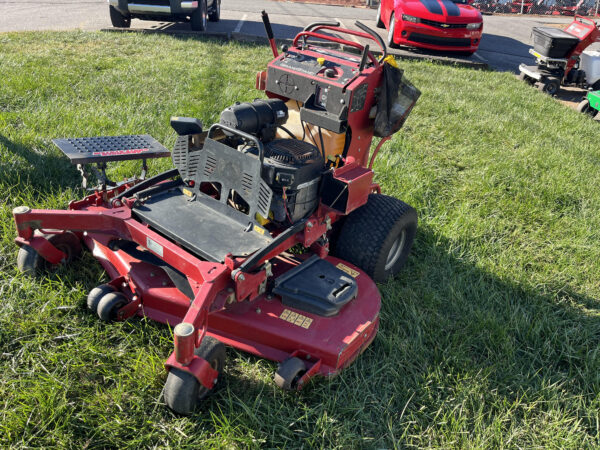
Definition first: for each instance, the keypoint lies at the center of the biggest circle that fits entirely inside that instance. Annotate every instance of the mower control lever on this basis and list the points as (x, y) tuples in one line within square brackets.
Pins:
[(375, 36)]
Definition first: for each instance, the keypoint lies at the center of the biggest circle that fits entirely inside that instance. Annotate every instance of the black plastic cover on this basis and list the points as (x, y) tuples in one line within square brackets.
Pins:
[(553, 42), (396, 100), (316, 286)]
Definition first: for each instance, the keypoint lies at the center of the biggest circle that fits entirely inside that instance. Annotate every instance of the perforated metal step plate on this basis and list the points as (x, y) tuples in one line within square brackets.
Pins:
[(111, 148)]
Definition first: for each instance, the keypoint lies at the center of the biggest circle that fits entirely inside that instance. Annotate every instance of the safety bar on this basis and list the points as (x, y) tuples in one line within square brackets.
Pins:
[(314, 34), (259, 145)]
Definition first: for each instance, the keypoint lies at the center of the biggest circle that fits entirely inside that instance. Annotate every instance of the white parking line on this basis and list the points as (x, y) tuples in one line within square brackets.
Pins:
[(344, 26), (480, 58), (240, 24)]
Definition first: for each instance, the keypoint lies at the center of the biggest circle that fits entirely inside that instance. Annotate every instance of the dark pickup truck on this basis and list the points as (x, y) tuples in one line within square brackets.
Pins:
[(197, 12)]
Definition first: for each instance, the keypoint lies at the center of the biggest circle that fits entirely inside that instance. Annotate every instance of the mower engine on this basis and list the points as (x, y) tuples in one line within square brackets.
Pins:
[(292, 168)]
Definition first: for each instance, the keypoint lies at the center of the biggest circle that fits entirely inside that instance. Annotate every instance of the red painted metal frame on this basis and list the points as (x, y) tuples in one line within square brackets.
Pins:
[(228, 304), (587, 32)]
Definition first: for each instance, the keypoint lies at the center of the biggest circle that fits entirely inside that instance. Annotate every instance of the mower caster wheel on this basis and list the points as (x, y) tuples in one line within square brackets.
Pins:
[(109, 305), (550, 86), (29, 261), (585, 108), (183, 391), (523, 77), (96, 295), (378, 236), (288, 373)]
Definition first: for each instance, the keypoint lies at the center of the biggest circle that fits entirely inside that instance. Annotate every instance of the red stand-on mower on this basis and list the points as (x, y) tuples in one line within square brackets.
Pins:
[(558, 57), (232, 246)]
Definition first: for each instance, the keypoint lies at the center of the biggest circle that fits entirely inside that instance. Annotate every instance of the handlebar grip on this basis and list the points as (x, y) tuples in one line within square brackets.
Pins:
[(375, 36), (267, 23), (310, 26)]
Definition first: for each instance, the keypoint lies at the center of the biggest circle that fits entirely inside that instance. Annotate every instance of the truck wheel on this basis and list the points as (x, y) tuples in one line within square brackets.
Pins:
[(390, 38), (378, 22), (117, 19), (182, 390), (585, 107), (378, 236), (29, 261), (550, 86), (199, 17), (215, 14)]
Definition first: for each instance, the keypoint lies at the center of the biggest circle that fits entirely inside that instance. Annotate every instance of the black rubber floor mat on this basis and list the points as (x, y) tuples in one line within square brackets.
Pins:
[(203, 230)]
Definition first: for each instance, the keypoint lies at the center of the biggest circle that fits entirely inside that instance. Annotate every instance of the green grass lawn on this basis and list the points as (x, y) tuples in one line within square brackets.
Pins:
[(489, 337)]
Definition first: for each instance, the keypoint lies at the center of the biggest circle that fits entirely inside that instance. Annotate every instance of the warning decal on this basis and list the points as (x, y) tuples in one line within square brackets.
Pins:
[(353, 273), (295, 318)]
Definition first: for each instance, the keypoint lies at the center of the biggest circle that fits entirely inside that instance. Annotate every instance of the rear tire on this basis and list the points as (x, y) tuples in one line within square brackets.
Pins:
[(390, 38), (378, 236), (215, 14), (183, 392), (199, 17), (117, 19), (378, 22)]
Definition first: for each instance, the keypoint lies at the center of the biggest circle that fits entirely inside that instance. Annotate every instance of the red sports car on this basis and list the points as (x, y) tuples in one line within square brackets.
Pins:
[(433, 24)]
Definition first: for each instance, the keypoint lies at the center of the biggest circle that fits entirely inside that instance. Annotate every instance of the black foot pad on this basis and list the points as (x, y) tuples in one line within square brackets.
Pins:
[(316, 286), (111, 148)]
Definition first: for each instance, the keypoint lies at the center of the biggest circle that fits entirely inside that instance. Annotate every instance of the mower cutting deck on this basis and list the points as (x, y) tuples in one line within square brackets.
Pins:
[(205, 247)]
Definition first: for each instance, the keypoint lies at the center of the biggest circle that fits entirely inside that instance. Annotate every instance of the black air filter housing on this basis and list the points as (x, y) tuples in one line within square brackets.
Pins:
[(296, 167)]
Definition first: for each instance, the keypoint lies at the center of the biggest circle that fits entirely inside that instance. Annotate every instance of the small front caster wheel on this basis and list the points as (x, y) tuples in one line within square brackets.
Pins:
[(183, 391), (550, 86), (29, 261), (109, 305), (585, 108), (289, 373), (96, 295)]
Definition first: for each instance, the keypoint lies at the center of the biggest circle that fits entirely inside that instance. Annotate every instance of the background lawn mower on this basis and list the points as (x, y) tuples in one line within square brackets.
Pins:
[(268, 235), (560, 57), (590, 105)]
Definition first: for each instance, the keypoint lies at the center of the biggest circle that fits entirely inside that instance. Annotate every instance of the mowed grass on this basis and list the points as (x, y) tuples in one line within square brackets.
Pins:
[(489, 337)]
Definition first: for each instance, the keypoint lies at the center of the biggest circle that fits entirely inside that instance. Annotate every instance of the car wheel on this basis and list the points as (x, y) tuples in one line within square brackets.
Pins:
[(199, 17), (378, 21), (117, 19), (215, 14), (390, 39)]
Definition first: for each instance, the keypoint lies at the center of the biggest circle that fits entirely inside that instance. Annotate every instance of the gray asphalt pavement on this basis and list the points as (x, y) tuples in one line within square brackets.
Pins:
[(504, 46)]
